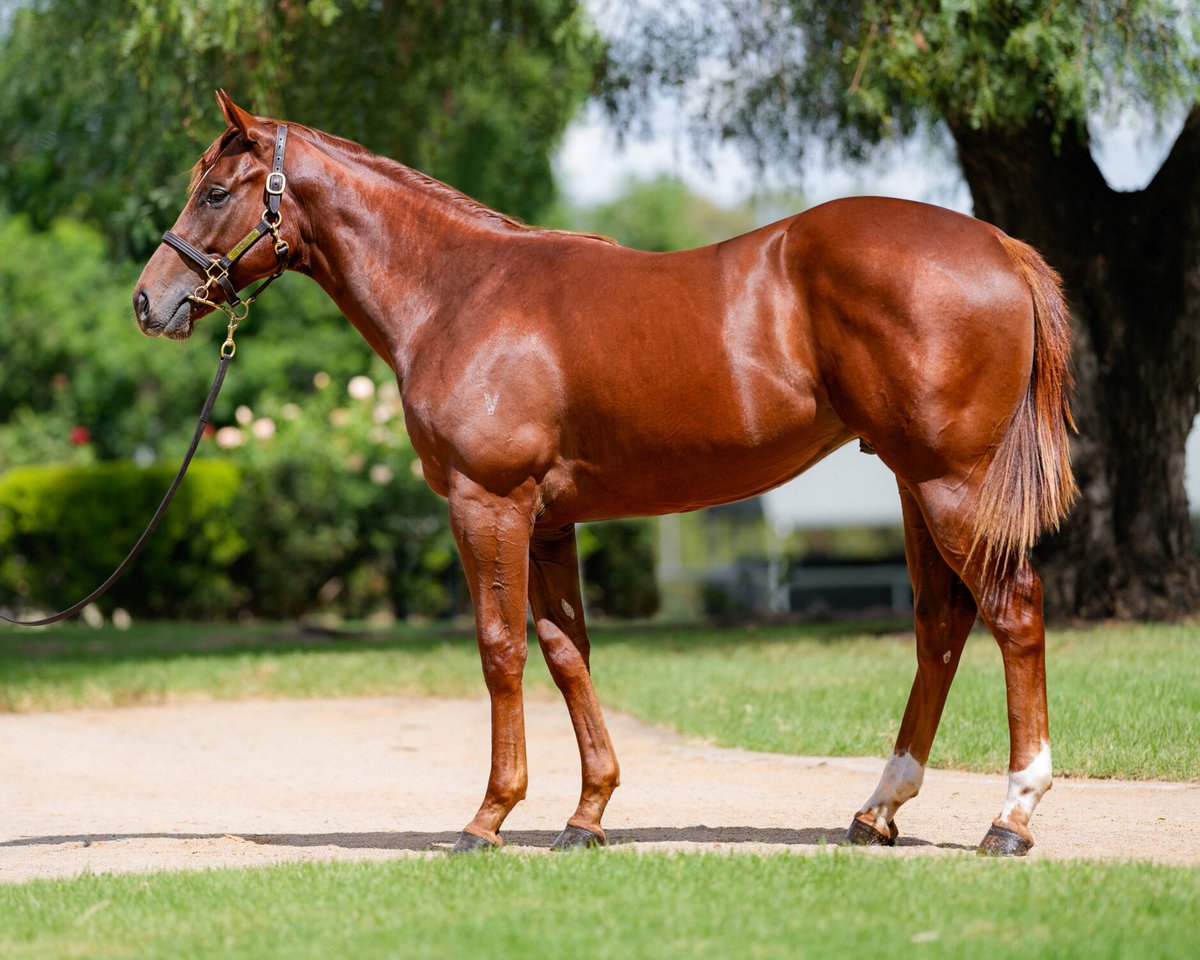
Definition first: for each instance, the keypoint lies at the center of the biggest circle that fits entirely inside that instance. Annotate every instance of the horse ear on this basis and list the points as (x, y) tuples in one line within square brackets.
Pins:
[(236, 116)]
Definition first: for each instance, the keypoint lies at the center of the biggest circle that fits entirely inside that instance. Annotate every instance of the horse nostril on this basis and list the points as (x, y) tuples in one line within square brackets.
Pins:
[(141, 304)]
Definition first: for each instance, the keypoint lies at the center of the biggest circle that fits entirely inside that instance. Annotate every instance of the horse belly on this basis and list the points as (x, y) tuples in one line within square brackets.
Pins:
[(689, 449)]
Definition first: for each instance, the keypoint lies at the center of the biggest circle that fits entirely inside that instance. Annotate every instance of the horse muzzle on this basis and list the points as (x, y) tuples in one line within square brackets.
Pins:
[(177, 325)]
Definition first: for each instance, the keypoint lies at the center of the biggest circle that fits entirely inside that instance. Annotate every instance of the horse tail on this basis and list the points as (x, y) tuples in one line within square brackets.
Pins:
[(1029, 486)]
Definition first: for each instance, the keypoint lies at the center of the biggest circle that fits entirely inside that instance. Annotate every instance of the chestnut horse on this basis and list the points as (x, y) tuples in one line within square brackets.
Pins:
[(550, 378)]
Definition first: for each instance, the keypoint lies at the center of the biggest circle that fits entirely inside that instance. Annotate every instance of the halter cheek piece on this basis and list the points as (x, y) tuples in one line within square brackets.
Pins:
[(215, 269)]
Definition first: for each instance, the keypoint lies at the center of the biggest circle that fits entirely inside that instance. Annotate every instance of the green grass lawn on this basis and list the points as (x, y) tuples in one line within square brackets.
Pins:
[(618, 905), (1124, 701)]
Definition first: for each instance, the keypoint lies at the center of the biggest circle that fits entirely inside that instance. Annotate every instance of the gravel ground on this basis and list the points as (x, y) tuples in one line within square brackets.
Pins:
[(198, 785)]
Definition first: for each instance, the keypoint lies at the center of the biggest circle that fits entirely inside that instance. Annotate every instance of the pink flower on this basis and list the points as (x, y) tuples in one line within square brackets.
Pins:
[(80, 436)]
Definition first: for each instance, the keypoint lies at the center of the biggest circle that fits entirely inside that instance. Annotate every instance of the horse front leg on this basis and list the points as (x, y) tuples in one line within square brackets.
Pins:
[(554, 595), (493, 534)]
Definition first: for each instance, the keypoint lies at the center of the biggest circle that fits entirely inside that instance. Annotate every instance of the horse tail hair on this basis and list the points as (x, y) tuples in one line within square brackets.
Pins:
[(1029, 485)]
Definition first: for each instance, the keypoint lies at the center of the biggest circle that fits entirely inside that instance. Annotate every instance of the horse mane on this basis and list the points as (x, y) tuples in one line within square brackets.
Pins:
[(394, 170)]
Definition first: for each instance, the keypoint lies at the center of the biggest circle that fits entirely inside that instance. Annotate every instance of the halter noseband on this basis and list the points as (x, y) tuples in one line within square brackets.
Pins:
[(215, 269)]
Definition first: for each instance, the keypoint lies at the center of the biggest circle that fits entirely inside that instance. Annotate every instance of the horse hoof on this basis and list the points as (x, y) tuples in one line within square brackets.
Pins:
[(469, 843), (576, 838), (1002, 842), (863, 834)]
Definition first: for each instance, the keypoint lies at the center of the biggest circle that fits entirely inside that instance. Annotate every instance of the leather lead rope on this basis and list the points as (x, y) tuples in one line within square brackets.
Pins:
[(96, 594), (215, 270)]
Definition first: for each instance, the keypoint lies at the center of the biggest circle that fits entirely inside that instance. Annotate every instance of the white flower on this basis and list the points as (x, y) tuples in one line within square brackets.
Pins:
[(381, 474), (229, 437), (263, 428), (320, 379), (243, 415), (361, 388)]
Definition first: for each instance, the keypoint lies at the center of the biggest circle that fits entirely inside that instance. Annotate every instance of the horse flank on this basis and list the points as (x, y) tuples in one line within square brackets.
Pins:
[(1029, 486)]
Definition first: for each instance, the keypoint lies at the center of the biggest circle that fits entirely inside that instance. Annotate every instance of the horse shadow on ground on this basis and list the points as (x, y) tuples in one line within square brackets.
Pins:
[(419, 840)]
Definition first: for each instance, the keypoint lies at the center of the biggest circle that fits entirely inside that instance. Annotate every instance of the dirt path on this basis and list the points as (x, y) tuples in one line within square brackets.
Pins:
[(213, 784)]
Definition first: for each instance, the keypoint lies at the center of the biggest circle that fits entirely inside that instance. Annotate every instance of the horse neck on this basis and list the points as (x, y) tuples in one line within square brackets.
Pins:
[(390, 246)]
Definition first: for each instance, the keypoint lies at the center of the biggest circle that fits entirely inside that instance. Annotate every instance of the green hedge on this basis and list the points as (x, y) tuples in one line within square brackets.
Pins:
[(65, 528)]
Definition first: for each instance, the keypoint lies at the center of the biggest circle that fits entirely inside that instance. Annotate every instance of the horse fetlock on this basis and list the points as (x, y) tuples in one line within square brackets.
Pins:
[(900, 781), (1026, 787)]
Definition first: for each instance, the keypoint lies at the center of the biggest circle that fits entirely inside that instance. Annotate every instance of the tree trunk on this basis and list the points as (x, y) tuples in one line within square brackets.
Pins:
[(1131, 267)]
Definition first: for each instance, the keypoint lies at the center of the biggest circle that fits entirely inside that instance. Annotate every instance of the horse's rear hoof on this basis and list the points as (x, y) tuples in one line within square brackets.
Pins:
[(1002, 842), (469, 843), (863, 834), (576, 838)]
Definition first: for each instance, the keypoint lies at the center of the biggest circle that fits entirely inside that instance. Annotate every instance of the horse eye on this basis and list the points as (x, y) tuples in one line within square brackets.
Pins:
[(216, 195)]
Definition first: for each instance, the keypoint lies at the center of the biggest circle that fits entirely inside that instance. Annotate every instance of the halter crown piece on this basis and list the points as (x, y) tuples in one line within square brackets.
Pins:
[(215, 269)]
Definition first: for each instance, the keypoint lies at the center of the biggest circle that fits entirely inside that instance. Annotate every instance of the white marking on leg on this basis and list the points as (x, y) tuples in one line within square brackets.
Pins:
[(491, 402), (1026, 787), (901, 779), (568, 609)]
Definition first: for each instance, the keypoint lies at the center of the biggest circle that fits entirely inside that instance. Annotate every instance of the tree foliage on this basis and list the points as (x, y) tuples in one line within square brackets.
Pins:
[(774, 75), (103, 107), (658, 215)]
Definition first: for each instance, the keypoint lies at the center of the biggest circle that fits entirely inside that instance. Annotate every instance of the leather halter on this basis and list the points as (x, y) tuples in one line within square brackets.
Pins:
[(215, 269)]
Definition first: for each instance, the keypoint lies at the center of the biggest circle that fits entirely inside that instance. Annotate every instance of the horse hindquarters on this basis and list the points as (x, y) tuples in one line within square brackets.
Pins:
[(983, 525)]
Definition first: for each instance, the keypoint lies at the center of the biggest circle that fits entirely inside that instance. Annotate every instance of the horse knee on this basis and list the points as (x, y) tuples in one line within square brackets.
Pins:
[(504, 654)]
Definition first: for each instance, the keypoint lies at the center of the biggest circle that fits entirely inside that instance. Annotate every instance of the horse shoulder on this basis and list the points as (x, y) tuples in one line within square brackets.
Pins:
[(487, 400)]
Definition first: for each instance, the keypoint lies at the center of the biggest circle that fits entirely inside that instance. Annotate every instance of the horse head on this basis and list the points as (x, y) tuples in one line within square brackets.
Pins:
[(212, 251)]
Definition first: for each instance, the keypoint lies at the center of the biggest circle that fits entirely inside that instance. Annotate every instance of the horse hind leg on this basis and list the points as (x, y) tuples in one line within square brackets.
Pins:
[(944, 612), (1009, 596), (554, 595)]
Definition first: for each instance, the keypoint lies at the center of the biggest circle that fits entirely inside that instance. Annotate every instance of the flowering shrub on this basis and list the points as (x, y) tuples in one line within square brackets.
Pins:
[(334, 508)]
